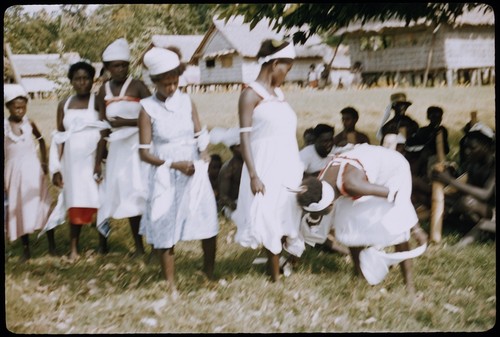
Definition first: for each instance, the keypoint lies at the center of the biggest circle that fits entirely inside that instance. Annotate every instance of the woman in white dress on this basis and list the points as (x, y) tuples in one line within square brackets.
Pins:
[(118, 101), (75, 141), (371, 187), (181, 203), (267, 213)]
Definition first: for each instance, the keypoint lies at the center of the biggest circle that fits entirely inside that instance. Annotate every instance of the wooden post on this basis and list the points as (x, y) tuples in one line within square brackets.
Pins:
[(437, 207)]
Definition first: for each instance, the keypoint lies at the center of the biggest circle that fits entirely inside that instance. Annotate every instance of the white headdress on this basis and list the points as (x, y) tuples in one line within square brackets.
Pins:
[(288, 52), (12, 91), (485, 130), (327, 196), (117, 51), (160, 60)]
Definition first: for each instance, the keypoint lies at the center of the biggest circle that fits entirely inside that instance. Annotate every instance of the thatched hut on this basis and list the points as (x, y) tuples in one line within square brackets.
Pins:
[(424, 53), (227, 53)]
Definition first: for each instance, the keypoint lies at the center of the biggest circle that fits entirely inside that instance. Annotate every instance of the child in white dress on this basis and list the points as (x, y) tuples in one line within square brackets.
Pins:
[(181, 203), (26, 187)]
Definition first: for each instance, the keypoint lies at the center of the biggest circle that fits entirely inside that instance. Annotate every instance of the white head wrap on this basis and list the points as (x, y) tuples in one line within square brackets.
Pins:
[(12, 91), (288, 53), (327, 196), (485, 130), (117, 51), (160, 60), (228, 137)]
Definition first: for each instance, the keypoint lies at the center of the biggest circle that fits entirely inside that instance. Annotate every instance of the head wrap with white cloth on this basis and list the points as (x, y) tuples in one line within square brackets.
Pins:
[(117, 51), (13, 91), (327, 196), (160, 60), (286, 53)]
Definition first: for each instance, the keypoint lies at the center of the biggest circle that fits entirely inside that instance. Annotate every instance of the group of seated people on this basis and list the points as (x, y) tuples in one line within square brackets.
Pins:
[(470, 197)]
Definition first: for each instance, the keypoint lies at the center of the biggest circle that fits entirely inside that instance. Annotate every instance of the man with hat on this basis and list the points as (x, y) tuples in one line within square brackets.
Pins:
[(118, 102), (400, 123)]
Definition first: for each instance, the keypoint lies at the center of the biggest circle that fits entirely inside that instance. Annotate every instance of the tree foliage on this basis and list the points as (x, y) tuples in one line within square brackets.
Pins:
[(327, 18), (75, 29)]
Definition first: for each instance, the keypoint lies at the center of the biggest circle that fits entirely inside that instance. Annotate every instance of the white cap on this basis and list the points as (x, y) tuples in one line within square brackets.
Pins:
[(117, 51), (160, 60), (12, 91)]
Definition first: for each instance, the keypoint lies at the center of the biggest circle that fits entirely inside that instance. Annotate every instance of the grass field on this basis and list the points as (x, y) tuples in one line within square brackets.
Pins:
[(117, 294)]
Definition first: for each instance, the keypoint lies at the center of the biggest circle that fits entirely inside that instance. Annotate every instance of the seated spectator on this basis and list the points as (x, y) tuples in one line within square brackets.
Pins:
[(229, 180), (421, 154), (350, 135), (308, 136), (400, 123), (315, 156), (474, 201)]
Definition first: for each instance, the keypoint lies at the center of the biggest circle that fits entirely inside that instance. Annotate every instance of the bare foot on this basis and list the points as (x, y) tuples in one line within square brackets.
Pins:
[(74, 256)]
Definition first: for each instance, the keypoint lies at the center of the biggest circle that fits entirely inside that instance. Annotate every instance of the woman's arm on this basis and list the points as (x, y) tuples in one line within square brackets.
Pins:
[(479, 193), (145, 137), (247, 102), (197, 128), (356, 184), (43, 148), (57, 177)]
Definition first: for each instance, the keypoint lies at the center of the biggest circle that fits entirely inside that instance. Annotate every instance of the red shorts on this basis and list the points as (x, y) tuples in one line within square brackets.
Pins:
[(81, 215)]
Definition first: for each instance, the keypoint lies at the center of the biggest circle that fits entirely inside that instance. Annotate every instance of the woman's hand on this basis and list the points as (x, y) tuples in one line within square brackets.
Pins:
[(186, 167), (57, 180), (257, 185), (444, 177), (98, 173)]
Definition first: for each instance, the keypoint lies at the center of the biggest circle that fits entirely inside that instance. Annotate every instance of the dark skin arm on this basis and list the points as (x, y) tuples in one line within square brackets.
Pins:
[(136, 89), (43, 148), (57, 179), (247, 102), (483, 194), (145, 137), (355, 182)]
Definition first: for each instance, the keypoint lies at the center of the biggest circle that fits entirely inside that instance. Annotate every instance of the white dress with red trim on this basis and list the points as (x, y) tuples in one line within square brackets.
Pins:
[(125, 174), (371, 220)]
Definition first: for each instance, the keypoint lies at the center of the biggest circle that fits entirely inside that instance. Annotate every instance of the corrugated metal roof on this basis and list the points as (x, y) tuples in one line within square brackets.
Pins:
[(187, 44)]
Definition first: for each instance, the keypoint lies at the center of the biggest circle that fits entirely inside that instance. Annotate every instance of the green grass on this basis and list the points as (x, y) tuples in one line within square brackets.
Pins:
[(117, 294)]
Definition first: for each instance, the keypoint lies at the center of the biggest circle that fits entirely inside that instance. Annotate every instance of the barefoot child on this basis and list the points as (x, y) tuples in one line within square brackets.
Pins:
[(25, 186)]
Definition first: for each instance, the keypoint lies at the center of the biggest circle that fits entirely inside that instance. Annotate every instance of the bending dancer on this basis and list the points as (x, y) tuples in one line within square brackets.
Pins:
[(371, 187)]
